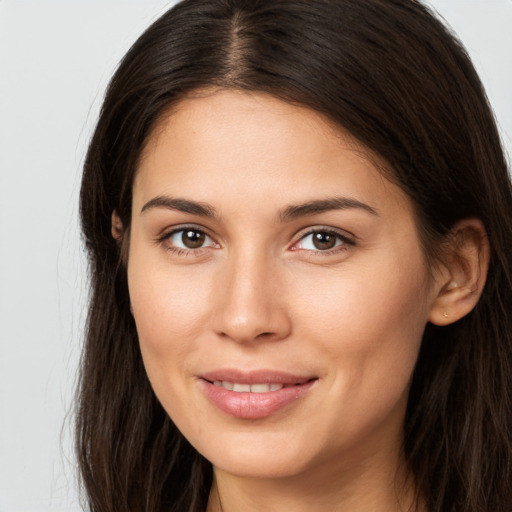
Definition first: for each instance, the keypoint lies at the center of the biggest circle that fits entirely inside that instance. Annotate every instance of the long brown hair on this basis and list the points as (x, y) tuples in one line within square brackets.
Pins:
[(393, 76)]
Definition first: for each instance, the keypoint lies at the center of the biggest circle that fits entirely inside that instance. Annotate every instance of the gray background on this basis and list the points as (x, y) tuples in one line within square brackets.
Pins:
[(55, 60)]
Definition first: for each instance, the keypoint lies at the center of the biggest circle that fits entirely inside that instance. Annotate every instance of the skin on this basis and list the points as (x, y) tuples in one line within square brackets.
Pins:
[(259, 294)]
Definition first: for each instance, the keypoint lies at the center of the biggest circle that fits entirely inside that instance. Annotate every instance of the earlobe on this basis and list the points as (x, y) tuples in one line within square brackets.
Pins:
[(464, 273), (117, 229)]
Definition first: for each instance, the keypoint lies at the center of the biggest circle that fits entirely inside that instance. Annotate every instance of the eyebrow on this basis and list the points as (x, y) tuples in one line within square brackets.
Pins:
[(182, 205), (324, 205), (287, 214)]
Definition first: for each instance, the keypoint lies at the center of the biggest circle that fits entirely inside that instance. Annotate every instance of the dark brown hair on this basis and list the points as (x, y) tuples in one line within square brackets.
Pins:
[(393, 76)]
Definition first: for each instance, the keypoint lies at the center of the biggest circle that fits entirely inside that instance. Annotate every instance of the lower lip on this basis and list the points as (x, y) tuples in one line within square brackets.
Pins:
[(254, 405)]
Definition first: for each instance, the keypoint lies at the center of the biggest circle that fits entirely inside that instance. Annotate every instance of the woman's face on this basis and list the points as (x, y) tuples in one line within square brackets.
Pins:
[(278, 286)]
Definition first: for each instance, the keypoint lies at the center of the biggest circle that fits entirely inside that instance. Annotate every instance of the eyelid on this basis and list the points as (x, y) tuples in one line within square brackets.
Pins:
[(327, 228), (167, 233), (347, 238)]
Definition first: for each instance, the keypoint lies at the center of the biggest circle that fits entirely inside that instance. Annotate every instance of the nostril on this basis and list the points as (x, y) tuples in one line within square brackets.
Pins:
[(265, 335)]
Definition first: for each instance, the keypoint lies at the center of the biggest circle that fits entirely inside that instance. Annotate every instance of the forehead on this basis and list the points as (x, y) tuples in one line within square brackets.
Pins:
[(227, 145)]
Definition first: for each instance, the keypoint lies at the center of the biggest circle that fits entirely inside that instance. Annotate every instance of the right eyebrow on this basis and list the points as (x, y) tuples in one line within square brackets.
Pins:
[(182, 205)]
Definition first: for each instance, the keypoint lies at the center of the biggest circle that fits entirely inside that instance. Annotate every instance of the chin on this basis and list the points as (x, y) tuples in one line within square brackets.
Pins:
[(259, 466), (265, 455)]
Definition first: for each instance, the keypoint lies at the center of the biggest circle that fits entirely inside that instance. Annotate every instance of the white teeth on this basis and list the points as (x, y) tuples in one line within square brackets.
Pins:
[(260, 388), (246, 388), (242, 388)]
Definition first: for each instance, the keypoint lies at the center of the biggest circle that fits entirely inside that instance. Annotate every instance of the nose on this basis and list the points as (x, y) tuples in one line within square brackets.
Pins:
[(250, 305)]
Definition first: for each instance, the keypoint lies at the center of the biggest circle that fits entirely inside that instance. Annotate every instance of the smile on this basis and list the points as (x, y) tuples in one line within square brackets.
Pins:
[(248, 388), (254, 395)]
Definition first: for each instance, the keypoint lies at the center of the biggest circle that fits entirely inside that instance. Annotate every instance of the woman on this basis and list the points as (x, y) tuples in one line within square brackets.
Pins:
[(297, 216)]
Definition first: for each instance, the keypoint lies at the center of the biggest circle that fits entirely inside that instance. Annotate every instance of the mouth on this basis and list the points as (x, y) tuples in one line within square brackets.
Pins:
[(254, 395), (239, 387), (248, 388)]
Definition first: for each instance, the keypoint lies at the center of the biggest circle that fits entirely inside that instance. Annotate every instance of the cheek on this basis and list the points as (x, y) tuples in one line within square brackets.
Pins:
[(170, 307), (369, 321), (363, 300), (367, 329)]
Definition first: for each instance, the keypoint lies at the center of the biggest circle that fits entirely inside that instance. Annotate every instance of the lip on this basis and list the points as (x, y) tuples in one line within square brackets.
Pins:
[(253, 405)]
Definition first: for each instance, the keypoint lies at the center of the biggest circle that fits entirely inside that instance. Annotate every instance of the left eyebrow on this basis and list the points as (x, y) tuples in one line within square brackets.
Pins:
[(323, 205)]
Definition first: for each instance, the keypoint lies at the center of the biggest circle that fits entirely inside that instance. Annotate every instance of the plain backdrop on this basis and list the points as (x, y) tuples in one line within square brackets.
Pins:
[(55, 60)]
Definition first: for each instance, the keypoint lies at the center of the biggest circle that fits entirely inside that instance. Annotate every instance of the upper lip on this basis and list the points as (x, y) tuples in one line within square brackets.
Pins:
[(262, 376)]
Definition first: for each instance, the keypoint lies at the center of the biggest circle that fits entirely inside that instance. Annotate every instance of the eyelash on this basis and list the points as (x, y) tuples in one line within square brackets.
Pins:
[(180, 251), (345, 240)]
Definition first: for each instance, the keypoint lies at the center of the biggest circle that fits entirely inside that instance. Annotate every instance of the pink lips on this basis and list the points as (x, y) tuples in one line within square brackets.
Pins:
[(253, 404)]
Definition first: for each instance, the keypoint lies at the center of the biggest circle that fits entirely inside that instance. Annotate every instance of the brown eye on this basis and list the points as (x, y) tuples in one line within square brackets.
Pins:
[(192, 239), (188, 239), (324, 241)]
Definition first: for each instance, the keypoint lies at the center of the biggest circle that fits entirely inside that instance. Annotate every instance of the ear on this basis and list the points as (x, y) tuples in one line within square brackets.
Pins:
[(117, 228), (460, 279)]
